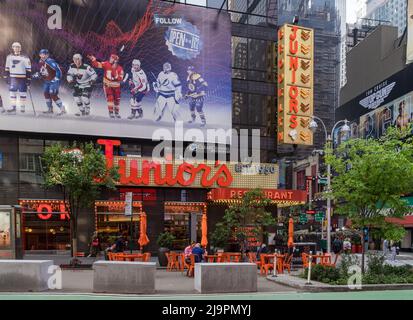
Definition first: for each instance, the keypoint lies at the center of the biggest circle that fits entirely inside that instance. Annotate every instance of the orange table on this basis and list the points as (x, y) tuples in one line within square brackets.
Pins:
[(231, 257), (176, 261), (133, 257), (212, 258), (315, 257), (280, 258)]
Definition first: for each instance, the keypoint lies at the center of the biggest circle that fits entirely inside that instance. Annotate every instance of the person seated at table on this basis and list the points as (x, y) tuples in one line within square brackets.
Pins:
[(120, 244), (188, 251), (198, 252), (261, 249)]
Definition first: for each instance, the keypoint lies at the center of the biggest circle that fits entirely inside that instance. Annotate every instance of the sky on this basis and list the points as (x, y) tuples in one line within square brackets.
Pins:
[(351, 11)]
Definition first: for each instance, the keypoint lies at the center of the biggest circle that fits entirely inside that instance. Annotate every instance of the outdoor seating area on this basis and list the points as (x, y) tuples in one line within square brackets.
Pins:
[(142, 257), (177, 261), (321, 259)]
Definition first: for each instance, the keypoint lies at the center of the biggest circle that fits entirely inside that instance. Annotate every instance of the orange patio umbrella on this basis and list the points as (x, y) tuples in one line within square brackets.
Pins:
[(204, 240), (143, 238), (290, 242)]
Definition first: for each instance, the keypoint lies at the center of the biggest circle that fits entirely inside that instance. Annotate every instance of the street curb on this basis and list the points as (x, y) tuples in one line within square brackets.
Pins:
[(322, 287)]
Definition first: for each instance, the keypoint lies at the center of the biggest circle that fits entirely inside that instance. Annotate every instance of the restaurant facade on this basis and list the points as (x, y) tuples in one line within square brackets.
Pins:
[(173, 199), (241, 94)]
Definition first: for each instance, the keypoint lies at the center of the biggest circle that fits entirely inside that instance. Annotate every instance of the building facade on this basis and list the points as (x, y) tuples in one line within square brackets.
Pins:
[(393, 11), (379, 93)]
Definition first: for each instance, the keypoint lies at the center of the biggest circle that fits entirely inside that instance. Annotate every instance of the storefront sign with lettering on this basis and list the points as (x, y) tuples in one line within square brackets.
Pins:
[(295, 84)]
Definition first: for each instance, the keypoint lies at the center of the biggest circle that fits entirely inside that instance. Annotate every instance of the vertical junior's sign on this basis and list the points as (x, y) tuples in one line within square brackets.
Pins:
[(295, 84)]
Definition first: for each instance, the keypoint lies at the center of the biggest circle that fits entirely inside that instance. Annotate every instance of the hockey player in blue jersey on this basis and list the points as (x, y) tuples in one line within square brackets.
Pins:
[(196, 86), (18, 76), (51, 74)]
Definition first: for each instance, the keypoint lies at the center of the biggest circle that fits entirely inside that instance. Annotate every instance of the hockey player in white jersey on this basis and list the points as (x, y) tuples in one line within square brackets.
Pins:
[(139, 86), (18, 76), (169, 92), (81, 76)]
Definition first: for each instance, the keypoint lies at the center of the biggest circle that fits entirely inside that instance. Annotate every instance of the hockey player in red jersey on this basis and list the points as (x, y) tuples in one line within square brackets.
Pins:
[(112, 78)]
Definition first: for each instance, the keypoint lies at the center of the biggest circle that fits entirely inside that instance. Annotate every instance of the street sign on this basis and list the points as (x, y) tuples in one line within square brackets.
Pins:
[(303, 218), (128, 204), (310, 212), (319, 216), (322, 181)]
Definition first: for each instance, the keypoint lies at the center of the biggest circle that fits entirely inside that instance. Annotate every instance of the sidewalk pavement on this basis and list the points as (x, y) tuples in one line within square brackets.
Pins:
[(166, 283)]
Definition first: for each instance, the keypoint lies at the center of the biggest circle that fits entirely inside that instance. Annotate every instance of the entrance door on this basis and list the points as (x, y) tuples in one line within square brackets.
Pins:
[(183, 220)]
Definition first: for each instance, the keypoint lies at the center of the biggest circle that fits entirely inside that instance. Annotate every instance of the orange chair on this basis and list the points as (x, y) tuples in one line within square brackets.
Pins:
[(222, 257), (262, 263), (191, 269), (184, 264), (175, 261), (286, 264), (280, 263), (251, 257), (268, 265), (326, 260), (305, 259), (170, 262), (234, 257), (146, 257)]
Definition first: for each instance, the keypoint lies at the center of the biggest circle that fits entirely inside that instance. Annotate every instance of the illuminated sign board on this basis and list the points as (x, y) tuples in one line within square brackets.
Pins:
[(295, 84), (204, 174)]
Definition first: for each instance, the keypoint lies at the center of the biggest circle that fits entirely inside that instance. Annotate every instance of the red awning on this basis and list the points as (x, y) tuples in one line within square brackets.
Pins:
[(407, 221)]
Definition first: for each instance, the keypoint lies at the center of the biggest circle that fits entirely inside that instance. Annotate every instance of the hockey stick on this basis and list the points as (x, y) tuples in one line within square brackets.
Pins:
[(31, 100)]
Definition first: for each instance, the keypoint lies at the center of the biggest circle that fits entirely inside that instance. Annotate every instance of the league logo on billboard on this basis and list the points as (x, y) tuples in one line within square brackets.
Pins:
[(184, 40)]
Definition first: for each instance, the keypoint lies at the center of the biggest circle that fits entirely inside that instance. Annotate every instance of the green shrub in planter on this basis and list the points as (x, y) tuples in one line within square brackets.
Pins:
[(375, 264), (323, 273)]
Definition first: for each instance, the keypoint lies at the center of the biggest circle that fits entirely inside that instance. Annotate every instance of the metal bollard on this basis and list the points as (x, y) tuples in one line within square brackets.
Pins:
[(309, 268), (274, 271)]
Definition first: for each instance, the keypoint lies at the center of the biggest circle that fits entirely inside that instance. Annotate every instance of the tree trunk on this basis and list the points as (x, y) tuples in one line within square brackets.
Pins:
[(362, 252), (73, 233)]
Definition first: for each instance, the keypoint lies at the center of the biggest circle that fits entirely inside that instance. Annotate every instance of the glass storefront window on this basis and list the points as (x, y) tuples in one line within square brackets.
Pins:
[(46, 225), (183, 220), (111, 222)]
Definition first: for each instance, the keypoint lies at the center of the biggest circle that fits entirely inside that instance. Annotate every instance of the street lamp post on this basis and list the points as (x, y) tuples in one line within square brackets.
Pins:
[(329, 139)]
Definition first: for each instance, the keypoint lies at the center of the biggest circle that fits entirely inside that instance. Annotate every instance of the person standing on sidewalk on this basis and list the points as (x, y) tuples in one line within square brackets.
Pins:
[(94, 245), (337, 248)]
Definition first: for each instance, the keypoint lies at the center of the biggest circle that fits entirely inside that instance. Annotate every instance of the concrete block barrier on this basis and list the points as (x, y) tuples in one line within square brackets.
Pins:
[(225, 277), (24, 275), (124, 277)]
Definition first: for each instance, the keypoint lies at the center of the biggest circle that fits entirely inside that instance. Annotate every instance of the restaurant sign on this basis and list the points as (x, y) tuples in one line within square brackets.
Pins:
[(203, 174), (45, 209), (295, 84), (272, 194)]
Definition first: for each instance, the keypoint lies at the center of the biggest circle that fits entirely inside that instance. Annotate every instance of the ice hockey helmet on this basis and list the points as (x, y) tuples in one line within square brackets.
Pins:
[(44, 51), (16, 44), (136, 62), (115, 57), (167, 67)]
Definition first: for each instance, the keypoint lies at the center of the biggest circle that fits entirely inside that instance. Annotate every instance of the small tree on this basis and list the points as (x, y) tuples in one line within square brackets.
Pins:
[(242, 218), (80, 172), (371, 178)]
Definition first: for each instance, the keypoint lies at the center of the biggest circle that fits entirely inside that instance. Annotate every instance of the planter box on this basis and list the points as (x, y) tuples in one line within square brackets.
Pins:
[(124, 277), (225, 277), (24, 275)]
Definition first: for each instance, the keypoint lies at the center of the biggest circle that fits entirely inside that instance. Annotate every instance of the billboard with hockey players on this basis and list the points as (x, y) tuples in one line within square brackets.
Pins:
[(114, 68)]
